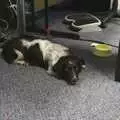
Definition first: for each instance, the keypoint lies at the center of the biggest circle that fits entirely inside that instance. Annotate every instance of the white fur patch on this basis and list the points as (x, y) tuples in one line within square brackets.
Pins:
[(28, 44), (20, 56), (83, 66), (21, 62), (52, 51)]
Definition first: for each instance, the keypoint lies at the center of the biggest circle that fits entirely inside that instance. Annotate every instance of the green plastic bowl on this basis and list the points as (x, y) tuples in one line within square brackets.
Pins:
[(102, 50)]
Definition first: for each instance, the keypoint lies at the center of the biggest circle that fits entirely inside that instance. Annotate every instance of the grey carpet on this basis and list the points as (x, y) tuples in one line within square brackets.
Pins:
[(28, 93)]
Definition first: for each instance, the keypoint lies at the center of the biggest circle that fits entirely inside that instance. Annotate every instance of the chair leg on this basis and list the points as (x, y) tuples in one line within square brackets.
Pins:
[(117, 70)]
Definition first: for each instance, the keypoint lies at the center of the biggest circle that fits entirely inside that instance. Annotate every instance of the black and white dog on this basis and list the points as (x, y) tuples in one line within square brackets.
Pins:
[(57, 59)]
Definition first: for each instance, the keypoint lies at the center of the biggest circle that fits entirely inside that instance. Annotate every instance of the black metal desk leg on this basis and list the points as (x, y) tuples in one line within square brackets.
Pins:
[(33, 15), (117, 71), (46, 15), (21, 26)]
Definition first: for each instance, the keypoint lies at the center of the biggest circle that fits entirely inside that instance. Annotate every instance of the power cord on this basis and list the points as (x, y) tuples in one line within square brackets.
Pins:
[(4, 25), (13, 7)]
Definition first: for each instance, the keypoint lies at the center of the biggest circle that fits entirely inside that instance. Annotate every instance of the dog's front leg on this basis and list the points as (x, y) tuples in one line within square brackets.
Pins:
[(20, 58), (50, 71)]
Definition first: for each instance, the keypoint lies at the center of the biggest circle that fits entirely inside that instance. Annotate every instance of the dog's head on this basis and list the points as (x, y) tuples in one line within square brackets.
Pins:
[(70, 67)]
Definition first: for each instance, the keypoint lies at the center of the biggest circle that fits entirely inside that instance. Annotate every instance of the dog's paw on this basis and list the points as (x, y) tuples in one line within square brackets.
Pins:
[(22, 63)]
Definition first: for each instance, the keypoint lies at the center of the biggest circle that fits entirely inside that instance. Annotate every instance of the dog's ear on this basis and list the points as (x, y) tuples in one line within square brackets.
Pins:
[(59, 66)]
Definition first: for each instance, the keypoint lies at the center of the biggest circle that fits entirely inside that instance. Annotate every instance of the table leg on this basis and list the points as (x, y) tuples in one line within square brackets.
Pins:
[(46, 14), (117, 71), (33, 15), (21, 23)]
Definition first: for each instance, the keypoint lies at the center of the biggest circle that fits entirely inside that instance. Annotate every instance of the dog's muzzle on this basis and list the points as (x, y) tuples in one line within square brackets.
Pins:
[(74, 80)]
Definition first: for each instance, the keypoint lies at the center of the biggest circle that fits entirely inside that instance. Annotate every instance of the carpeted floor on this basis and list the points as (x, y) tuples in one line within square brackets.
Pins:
[(28, 93)]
